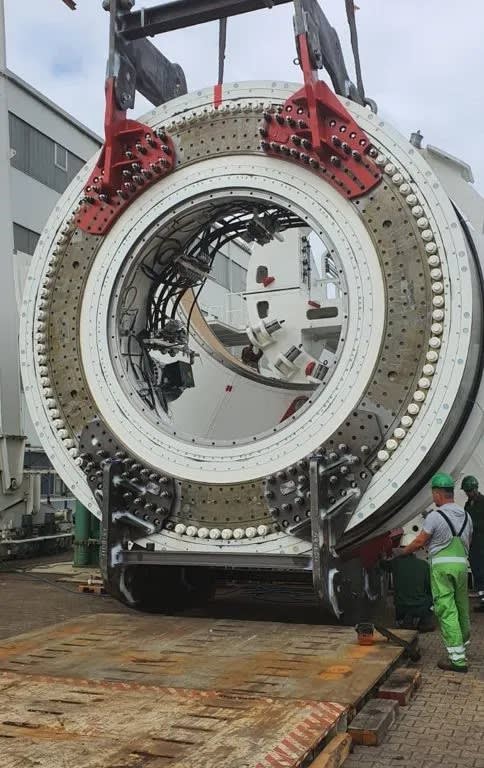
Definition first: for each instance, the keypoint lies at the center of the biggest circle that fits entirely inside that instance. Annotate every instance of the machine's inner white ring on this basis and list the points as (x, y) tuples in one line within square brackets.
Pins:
[(323, 208)]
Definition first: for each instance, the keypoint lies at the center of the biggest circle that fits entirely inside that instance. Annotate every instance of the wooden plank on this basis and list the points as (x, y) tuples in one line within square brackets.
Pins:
[(373, 721), (400, 685), (335, 753), (93, 589)]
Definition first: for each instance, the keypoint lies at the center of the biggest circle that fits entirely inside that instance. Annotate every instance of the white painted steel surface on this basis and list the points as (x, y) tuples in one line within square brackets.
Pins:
[(451, 294)]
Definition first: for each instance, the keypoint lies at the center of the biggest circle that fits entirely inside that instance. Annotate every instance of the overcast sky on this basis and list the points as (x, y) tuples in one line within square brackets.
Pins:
[(422, 60)]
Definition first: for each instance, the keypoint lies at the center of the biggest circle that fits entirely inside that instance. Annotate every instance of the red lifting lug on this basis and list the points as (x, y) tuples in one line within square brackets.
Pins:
[(314, 129), (266, 281), (372, 551), (133, 157)]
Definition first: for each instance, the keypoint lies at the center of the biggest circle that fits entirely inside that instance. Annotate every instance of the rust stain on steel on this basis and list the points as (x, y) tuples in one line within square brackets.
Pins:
[(149, 652), (35, 731), (108, 691), (131, 727)]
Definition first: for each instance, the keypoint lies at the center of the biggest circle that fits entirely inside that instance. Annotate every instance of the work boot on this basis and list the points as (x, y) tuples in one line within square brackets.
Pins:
[(447, 665)]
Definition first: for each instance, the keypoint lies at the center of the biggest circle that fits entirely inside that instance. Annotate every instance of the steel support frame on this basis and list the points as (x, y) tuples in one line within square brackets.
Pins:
[(115, 553), (324, 561), (340, 580), (328, 570), (219, 560), (179, 14)]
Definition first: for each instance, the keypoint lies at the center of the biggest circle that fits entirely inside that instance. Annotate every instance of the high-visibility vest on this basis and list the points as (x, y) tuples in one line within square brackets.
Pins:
[(454, 551)]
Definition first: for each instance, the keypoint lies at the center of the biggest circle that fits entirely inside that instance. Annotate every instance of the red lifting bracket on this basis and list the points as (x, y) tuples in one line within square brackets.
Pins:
[(313, 128), (133, 157)]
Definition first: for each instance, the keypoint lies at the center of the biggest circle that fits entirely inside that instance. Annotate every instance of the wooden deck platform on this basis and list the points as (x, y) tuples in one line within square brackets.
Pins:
[(117, 691)]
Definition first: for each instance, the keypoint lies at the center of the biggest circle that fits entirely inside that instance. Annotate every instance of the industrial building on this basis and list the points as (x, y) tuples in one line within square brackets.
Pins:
[(47, 148)]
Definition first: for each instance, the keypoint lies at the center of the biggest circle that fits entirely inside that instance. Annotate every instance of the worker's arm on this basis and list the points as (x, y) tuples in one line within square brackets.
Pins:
[(418, 542)]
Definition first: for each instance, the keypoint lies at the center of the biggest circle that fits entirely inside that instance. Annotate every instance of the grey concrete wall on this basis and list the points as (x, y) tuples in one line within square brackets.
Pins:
[(31, 201), (55, 124)]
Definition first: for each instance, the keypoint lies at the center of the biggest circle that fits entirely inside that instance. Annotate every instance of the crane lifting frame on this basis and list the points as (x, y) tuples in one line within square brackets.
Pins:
[(179, 14)]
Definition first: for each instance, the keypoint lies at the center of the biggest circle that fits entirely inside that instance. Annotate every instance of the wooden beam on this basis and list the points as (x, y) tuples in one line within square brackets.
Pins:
[(335, 753)]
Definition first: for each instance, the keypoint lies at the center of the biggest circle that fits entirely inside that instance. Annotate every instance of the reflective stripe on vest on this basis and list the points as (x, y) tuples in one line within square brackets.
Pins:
[(453, 554)]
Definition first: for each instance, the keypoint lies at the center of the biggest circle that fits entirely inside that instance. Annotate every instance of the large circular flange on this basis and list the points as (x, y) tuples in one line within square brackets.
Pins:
[(437, 234), (328, 214), (451, 350)]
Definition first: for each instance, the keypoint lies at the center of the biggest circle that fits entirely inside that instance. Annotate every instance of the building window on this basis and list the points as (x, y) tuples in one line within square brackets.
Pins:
[(40, 157), (60, 157), (239, 278), (47, 484), (229, 274), (24, 240), (60, 488), (220, 270)]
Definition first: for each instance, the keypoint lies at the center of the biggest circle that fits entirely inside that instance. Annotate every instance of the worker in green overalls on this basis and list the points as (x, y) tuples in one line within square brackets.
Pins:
[(447, 532), (475, 507)]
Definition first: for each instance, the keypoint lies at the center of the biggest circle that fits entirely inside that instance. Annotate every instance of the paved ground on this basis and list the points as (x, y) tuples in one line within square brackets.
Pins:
[(31, 601), (442, 728)]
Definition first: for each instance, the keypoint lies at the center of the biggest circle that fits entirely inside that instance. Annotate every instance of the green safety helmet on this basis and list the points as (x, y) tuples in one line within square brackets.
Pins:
[(442, 480), (470, 483)]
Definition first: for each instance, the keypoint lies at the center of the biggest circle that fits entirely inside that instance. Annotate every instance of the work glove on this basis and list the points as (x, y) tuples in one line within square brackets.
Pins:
[(397, 552)]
